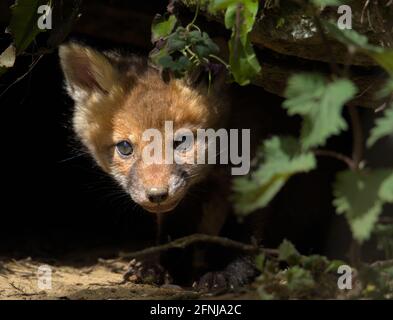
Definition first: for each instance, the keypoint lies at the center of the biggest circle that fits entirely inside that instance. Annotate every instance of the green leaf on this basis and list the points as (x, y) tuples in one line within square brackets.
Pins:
[(386, 90), (243, 61), (327, 2), (299, 279), (360, 196), (383, 127), (216, 5), (179, 65), (384, 233), (383, 56), (2, 70), (288, 253), (23, 25), (240, 17), (320, 103), (162, 27), (315, 263), (386, 191), (260, 260), (281, 158), (176, 42), (384, 59)]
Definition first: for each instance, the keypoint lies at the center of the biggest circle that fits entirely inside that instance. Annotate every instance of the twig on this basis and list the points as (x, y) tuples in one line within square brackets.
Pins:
[(385, 220), (31, 67), (184, 242), (382, 264), (336, 155), (21, 291)]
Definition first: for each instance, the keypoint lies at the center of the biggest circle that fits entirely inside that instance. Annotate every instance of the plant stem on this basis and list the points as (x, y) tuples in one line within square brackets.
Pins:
[(325, 40), (357, 156), (220, 60), (184, 242), (336, 155), (357, 133), (195, 15)]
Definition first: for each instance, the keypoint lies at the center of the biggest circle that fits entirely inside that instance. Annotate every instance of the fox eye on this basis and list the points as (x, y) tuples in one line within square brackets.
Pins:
[(183, 143), (124, 148)]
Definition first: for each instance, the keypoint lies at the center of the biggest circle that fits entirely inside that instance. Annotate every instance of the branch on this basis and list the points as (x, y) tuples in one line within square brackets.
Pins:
[(336, 155), (184, 242)]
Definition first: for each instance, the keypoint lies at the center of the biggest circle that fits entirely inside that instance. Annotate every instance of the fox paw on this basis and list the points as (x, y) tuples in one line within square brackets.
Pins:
[(147, 272)]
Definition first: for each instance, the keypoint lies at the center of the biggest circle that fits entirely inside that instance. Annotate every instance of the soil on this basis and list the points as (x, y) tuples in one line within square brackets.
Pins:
[(82, 280)]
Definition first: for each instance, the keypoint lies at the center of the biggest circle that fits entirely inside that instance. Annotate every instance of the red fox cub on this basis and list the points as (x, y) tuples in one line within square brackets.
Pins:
[(117, 98)]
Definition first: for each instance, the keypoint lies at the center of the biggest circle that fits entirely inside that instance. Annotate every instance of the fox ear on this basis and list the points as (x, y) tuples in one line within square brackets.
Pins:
[(86, 70)]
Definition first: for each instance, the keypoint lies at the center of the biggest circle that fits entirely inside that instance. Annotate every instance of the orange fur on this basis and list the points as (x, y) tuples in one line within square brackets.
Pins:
[(116, 99)]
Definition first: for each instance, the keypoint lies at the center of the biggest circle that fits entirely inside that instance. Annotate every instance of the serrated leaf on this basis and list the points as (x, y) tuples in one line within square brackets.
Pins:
[(281, 158), (299, 279), (358, 196), (23, 25), (288, 253), (315, 263), (162, 27), (7, 58), (383, 127), (320, 103)]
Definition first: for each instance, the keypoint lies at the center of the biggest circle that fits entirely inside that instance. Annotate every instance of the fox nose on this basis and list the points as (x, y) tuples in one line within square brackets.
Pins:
[(157, 194)]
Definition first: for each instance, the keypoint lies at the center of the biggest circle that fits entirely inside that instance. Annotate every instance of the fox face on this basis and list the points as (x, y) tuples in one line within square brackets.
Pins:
[(117, 98)]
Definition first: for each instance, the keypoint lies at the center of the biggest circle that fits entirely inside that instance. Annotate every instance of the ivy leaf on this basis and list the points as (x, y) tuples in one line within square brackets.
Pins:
[(361, 196), (281, 158), (320, 103), (383, 56), (23, 25), (288, 253), (162, 27), (383, 127)]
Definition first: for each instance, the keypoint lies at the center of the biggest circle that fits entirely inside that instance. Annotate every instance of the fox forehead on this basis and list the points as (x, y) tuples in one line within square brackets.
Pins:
[(152, 102)]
